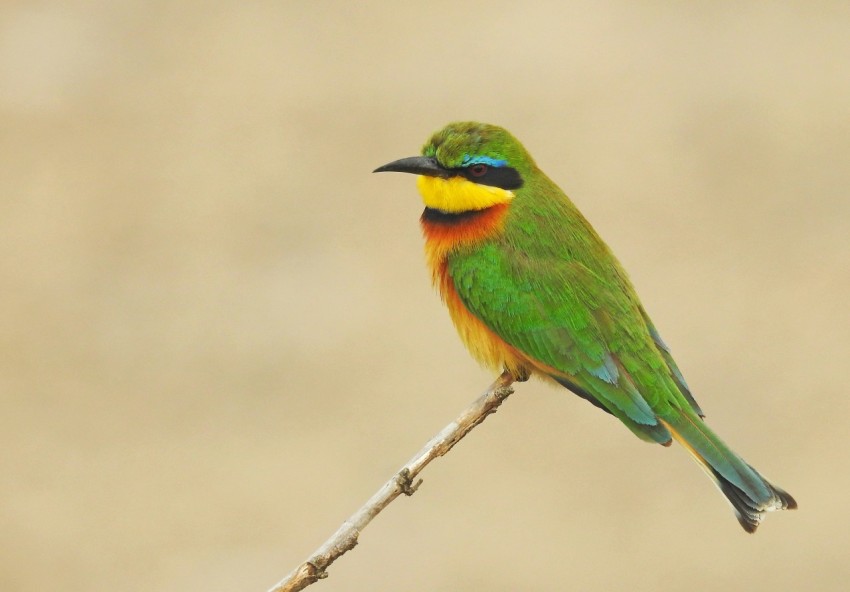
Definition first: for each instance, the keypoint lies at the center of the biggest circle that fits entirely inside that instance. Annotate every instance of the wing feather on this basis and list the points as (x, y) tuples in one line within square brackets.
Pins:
[(567, 318)]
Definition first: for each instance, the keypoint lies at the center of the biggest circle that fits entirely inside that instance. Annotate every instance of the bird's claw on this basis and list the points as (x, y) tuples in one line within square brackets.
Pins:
[(519, 374)]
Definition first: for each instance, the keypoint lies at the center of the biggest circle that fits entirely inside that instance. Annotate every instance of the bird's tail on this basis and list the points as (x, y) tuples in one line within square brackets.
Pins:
[(750, 494)]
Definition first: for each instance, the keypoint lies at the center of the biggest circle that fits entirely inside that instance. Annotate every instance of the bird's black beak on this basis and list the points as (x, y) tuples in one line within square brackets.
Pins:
[(418, 165)]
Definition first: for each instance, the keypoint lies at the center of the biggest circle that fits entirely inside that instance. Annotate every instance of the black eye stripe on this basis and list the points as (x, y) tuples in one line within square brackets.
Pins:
[(503, 177)]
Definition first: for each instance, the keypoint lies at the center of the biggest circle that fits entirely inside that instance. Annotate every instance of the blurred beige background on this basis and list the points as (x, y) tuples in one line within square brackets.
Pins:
[(217, 336)]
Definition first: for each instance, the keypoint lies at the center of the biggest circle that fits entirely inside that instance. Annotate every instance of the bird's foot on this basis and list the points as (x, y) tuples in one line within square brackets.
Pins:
[(519, 374)]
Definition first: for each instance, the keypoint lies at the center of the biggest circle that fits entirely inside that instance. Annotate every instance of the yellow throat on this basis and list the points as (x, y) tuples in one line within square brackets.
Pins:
[(456, 194)]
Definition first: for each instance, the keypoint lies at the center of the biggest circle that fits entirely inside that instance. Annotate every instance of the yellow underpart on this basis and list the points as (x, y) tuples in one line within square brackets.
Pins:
[(485, 346), (457, 194)]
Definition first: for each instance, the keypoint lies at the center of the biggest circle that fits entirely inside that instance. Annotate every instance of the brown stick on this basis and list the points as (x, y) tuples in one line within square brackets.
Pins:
[(346, 537)]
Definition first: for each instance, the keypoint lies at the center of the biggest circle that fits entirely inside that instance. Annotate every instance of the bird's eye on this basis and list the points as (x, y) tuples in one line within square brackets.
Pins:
[(478, 170)]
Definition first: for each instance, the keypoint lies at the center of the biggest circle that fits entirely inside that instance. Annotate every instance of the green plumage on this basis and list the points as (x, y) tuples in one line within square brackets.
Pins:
[(549, 286)]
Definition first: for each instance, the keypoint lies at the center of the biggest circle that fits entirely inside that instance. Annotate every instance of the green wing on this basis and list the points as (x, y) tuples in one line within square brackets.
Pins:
[(589, 328), (671, 364)]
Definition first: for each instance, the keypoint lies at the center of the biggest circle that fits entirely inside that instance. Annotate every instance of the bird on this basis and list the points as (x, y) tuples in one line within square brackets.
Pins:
[(533, 290)]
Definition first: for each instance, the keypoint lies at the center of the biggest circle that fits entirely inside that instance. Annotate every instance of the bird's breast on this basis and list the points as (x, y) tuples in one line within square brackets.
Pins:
[(446, 235)]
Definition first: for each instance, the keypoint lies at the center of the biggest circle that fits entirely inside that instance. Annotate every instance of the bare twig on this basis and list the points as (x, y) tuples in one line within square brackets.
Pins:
[(346, 537)]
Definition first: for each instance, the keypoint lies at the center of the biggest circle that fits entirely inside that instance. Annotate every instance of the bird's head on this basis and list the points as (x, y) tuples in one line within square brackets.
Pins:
[(467, 166)]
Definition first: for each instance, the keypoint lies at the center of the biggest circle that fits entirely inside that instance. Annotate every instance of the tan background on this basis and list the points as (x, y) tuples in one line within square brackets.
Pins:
[(217, 337)]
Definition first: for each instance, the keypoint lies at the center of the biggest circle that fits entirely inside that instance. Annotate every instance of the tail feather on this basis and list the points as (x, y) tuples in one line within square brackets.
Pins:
[(749, 512), (750, 494)]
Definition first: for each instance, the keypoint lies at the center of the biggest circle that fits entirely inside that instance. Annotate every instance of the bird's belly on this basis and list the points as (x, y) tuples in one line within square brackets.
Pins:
[(485, 346), (444, 234)]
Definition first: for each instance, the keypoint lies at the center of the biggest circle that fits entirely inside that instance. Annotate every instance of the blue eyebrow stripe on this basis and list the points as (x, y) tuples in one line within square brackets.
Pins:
[(493, 162)]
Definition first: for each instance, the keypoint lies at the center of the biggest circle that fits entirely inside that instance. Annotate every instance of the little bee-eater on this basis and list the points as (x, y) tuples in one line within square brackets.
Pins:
[(532, 289)]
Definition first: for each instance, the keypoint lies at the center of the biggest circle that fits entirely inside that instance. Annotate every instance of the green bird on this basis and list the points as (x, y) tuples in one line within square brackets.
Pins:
[(532, 289)]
